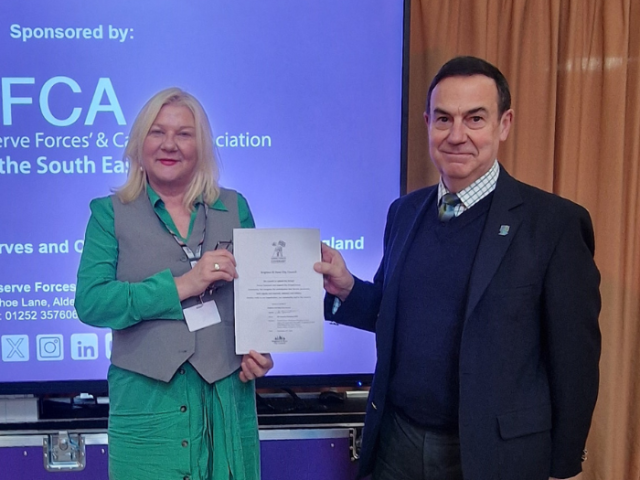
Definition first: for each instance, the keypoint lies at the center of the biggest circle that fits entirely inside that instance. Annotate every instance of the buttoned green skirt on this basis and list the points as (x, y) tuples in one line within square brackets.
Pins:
[(184, 429)]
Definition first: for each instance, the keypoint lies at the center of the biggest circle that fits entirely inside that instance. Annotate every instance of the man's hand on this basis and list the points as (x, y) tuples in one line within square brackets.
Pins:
[(255, 365), (338, 280)]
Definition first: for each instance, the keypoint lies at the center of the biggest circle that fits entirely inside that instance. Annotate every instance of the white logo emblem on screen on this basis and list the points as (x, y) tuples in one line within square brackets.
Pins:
[(15, 348), (108, 339), (50, 348), (84, 346)]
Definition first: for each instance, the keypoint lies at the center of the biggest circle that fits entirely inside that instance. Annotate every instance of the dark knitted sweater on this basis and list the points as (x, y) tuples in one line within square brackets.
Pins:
[(431, 302)]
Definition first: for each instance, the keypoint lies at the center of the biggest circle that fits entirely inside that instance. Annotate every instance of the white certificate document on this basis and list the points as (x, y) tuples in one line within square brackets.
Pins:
[(278, 295)]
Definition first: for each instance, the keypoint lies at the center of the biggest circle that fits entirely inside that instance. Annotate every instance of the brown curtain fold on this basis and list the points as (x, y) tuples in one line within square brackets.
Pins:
[(574, 71)]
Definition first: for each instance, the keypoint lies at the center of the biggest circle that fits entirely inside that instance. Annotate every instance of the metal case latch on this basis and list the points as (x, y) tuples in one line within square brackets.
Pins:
[(355, 435), (64, 452)]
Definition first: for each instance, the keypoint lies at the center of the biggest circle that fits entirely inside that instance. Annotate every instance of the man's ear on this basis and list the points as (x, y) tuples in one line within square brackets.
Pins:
[(505, 124)]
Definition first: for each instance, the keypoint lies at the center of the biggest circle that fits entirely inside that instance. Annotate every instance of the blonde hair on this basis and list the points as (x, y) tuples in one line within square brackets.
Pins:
[(205, 178)]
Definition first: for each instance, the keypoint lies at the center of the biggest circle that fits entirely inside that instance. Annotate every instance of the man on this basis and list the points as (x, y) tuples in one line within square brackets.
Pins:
[(485, 308)]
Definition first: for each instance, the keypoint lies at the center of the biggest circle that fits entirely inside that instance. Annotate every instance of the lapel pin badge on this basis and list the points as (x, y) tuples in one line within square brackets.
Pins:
[(504, 230)]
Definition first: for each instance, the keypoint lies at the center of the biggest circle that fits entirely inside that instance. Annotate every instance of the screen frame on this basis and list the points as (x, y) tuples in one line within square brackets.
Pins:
[(350, 380)]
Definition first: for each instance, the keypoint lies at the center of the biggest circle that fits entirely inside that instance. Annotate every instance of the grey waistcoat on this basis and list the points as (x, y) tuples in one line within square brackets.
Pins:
[(157, 348)]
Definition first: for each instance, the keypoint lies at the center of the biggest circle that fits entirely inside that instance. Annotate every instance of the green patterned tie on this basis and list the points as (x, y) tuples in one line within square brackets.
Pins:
[(447, 206)]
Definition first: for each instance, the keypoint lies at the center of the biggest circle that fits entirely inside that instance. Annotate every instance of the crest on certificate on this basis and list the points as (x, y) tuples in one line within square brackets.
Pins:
[(278, 252), (279, 340)]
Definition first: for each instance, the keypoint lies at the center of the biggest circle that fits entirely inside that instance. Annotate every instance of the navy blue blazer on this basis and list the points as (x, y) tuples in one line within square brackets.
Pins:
[(530, 344)]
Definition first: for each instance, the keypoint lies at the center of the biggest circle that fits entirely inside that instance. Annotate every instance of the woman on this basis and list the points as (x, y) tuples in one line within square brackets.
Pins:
[(156, 269)]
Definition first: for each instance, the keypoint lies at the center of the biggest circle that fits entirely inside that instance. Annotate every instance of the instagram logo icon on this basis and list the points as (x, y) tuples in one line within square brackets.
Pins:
[(50, 348)]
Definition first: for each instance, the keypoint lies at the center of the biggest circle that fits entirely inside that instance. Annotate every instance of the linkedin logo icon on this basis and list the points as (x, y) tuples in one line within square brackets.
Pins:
[(84, 346), (49, 348)]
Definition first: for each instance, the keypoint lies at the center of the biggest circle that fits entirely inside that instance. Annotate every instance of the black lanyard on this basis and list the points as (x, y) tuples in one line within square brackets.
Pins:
[(192, 257)]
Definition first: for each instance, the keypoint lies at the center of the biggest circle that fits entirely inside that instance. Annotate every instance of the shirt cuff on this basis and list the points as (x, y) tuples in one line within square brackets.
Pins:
[(336, 305)]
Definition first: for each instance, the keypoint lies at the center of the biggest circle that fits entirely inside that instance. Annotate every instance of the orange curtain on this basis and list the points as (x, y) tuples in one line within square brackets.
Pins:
[(574, 71)]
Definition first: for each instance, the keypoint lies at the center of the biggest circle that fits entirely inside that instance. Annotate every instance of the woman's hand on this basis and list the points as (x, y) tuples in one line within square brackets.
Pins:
[(255, 365), (213, 266)]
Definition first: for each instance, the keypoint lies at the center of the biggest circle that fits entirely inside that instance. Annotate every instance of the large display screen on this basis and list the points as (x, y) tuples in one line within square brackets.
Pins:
[(305, 101)]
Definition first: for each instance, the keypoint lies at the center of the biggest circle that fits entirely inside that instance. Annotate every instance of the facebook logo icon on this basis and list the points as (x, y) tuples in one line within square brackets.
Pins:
[(108, 340), (84, 346), (15, 348)]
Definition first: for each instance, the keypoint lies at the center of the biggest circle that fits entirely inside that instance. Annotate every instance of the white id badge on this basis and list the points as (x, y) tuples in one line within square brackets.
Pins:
[(201, 315)]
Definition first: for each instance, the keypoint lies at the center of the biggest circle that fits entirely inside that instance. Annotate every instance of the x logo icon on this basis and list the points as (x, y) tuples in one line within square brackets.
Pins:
[(15, 348)]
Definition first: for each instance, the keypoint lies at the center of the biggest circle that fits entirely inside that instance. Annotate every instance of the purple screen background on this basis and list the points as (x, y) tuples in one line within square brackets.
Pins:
[(323, 80)]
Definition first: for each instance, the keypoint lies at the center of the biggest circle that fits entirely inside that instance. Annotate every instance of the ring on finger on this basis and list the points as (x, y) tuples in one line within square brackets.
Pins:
[(216, 266)]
